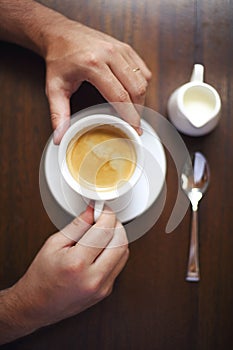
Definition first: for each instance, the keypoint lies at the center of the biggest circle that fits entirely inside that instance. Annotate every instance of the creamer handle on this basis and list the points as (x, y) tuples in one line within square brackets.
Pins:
[(197, 73)]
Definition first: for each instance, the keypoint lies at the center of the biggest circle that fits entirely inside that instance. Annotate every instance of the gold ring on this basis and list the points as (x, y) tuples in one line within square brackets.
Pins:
[(136, 69)]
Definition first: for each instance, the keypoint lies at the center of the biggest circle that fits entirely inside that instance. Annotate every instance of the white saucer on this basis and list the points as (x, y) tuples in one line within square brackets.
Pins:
[(142, 196)]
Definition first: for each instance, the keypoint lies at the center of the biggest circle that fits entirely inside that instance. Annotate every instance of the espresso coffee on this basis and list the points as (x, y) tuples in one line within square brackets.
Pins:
[(102, 157)]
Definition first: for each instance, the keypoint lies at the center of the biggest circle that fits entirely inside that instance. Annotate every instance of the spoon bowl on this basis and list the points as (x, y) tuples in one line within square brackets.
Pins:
[(194, 182)]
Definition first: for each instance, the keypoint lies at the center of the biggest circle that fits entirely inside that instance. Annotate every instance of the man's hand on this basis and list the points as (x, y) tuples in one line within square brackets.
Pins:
[(77, 53), (66, 277)]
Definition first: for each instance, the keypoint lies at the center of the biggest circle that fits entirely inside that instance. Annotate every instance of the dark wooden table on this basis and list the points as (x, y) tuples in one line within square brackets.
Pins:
[(152, 306)]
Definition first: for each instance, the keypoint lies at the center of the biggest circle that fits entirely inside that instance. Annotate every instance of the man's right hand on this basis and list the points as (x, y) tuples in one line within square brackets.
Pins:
[(66, 277)]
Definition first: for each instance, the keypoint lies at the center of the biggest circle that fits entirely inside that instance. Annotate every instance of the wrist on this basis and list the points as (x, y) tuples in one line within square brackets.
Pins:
[(59, 36), (15, 315), (29, 24), (43, 30)]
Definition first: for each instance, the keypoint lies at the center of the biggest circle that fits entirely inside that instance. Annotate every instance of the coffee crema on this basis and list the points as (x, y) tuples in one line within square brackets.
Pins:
[(102, 157)]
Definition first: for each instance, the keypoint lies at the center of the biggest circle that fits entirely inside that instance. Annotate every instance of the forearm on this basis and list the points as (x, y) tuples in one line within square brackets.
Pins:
[(28, 23), (15, 322)]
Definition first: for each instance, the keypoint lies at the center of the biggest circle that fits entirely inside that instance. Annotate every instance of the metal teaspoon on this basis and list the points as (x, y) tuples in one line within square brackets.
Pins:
[(194, 181)]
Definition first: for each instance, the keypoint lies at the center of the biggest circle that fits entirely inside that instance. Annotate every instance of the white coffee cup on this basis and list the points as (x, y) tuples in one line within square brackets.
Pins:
[(194, 108), (98, 195)]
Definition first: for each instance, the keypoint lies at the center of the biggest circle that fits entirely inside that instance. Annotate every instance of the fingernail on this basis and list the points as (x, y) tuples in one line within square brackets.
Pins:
[(60, 131), (139, 130)]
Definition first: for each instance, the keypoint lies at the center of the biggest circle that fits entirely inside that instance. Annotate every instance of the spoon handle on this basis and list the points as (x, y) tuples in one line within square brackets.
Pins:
[(193, 273)]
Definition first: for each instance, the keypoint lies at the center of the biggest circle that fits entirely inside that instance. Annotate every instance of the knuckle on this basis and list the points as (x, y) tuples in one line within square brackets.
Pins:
[(79, 265), (110, 48), (127, 253), (105, 292), (108, 235), (55, 116), (92, 60), (148, 76), (109, 291), (124, 253), (107, 232), (77, 223), (127, 47), (73, 268), (76, 228), (51, 86), (51, 240), (141, 90), (122, 96), (95, 285)]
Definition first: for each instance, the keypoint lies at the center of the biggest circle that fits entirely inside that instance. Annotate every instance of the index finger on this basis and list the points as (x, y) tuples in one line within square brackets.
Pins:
[(115, 250), (97, 237), (114, 92)]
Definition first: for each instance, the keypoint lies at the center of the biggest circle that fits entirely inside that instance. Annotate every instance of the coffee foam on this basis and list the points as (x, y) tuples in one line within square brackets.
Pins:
[(102, 157)]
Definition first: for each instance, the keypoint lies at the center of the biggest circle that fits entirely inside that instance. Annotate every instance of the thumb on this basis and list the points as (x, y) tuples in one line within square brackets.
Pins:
[(59, 103), (77, 228)]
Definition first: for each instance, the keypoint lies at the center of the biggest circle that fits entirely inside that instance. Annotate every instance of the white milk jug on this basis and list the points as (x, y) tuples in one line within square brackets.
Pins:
[(194, 108)]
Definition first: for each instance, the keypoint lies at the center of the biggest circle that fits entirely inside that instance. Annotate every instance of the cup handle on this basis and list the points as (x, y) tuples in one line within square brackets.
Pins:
[(197, 73), (98, 208)]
